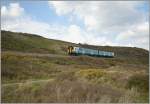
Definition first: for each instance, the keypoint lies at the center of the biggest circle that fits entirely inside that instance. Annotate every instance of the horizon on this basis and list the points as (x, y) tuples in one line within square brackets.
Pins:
[(72, 21)]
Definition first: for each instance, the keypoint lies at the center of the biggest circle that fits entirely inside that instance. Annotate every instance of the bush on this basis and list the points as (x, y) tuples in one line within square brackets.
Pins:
[(139, 81), (91, 74), (69, 75), (60, 92)]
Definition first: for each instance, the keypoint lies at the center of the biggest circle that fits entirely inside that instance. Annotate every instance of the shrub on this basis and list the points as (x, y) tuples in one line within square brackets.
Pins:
[(69, 75), (130, 96), (139, 81), (91, 74)]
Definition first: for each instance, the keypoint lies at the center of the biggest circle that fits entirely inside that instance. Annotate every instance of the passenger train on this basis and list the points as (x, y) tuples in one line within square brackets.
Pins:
[(72, 50)]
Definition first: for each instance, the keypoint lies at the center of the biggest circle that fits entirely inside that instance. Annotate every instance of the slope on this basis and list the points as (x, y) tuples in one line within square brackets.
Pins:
[(33, 43), (36, 69)]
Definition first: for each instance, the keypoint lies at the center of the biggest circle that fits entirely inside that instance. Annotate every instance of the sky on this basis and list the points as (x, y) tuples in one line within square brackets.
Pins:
[(111, 23)]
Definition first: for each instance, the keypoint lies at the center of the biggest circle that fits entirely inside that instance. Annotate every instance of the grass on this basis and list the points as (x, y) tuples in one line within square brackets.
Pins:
[(26, 68), (91, 74), (74, 79), (65, 91), (73, 91), (31, 43), (139, 81)]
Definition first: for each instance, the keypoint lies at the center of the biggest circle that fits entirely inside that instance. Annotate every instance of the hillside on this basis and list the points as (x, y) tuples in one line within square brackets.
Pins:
[(36, 69), (32, 43)]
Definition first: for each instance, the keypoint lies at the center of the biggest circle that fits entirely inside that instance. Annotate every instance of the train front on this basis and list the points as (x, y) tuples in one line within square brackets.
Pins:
[(70, 50)]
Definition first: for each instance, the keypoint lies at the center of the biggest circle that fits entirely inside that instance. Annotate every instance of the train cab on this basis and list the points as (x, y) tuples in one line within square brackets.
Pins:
[(73, 50), (70, 49)]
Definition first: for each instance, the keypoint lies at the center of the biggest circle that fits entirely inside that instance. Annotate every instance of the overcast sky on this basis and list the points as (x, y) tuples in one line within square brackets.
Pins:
[(114, 23)]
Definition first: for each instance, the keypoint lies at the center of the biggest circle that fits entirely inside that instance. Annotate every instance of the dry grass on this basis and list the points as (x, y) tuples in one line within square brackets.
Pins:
[(76, 79), (62, 92)]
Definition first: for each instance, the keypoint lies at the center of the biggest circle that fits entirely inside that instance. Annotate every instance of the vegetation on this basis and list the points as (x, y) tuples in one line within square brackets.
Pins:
[(31, 43), (139, 81), (35, 69)]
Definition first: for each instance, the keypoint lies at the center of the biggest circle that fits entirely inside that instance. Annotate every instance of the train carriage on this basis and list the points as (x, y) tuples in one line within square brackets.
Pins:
[(91, 52)]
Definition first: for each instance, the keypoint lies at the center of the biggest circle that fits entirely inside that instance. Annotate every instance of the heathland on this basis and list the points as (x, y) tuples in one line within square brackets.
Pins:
[(36, 69)]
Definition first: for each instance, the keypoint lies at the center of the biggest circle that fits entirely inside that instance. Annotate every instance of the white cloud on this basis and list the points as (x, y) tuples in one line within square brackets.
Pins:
[(135, 31), (24, 23), (13, 10), (101, 15), (15, 19), (138, 34), (106, 23), (75, 34), (111, 20)]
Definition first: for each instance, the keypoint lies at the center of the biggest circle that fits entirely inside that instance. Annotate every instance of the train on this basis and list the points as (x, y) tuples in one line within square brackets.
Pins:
[(73, 50)]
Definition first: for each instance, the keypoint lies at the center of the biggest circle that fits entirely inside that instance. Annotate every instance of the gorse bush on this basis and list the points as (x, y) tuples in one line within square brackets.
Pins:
[(91, 74)]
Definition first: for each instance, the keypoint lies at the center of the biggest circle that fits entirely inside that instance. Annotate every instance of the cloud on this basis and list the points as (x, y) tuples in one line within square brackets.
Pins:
[(61, 7), (105, 23), (12, 11), (14, 18), (75, 34), (111, 20), (101, 15), (24, 23), (136, 31)]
